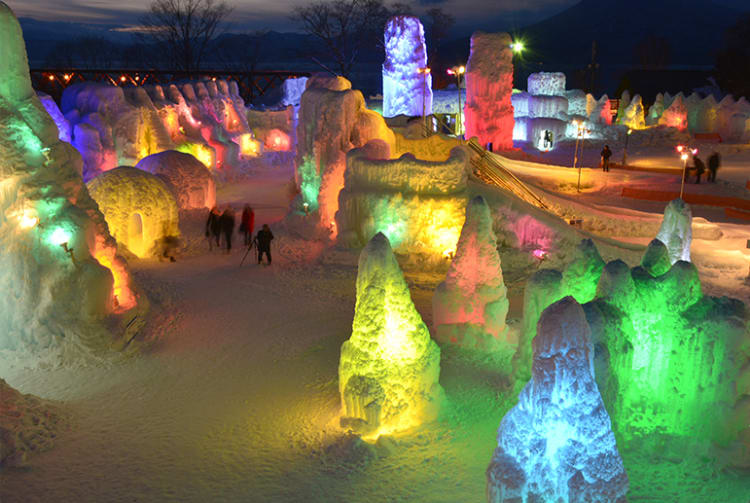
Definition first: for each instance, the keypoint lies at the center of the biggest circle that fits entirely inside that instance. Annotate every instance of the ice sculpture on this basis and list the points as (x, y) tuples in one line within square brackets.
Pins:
[(546, 84), (418, 204), (489, 84), (407, 87), (655, 111), (389, 368), (581, 276), (139, 208), (633, 116), (470, 306), (333, 119), (557, 443), (675, 114), (190, 181), (58, 263), (668, 355), (676, 230), (601, 113), (623, 105), (63, 126)]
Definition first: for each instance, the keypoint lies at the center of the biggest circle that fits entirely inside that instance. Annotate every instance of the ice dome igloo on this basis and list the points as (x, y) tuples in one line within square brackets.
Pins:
[(190, 181), (389, 368), (59, 269), (138, 206), (557, 443)]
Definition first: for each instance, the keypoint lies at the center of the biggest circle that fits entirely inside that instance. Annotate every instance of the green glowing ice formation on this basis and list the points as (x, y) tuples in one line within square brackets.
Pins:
[(389, 368), (557, 444), (665, 353), (309, 182)]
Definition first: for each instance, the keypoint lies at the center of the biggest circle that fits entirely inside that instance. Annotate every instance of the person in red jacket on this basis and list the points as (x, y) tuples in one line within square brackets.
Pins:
[(247, 224)]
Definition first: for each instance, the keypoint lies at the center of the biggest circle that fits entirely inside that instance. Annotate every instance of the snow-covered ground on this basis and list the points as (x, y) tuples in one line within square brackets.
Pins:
[(230, 393)]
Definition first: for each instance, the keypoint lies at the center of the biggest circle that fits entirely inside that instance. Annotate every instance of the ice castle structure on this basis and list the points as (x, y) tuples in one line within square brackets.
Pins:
[(407, 85)]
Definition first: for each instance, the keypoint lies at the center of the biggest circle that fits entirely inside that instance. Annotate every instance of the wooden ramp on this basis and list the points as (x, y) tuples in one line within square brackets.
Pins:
[(492, 171)]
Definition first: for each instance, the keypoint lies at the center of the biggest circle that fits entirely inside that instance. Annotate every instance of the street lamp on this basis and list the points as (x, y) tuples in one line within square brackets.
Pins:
[(625, 152), (517, 47), (425, 72), (458, 71)]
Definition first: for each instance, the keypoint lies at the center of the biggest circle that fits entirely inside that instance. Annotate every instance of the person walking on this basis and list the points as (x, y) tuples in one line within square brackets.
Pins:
[(263, 242), (700, 168), (606, 154), (227, 226), (213, 228), (713, 166), (247, 223)]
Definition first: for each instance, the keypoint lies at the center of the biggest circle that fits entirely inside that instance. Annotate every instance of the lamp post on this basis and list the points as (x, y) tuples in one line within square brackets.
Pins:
[(424, 71), (625, 151), (458, 71)]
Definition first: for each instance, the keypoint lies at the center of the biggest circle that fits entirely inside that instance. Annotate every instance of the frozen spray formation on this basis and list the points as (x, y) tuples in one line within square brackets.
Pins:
[(489, 84), (665, 352), (56, 255), (470, 306), (389, 368), (407, 89), (190, 181), (557, 443), (676, 231)]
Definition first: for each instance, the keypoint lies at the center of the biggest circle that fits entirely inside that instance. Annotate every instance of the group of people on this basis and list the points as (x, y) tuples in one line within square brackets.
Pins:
[(713, 166), (220, 226)]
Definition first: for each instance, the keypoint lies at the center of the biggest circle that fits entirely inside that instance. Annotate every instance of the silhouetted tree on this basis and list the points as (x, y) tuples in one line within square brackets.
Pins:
[(732, 70), (240, 52), (345, 28), (184, 29), (438, 27)]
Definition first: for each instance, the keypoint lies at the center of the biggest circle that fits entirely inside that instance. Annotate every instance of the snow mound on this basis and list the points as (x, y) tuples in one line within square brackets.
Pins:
[(190, 181), (28, 425)]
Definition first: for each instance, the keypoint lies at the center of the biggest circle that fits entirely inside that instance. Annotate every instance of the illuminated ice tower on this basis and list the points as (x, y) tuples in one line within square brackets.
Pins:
[(407, 82), (389, 367), (489, 84)]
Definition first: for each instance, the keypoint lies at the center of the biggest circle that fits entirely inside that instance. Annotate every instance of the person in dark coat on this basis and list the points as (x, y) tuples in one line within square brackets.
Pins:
[(227, 226), (700, 168), (247, 224), (606, 154), (713, 166), (213, 227), (263, 241)]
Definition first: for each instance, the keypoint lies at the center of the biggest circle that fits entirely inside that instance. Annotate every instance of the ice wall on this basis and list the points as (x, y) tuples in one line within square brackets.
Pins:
[(419, 205), (333, 119), (389, 368), (190, 181), (406, 89), (676, 230), (470, 306), (557, 443), (489, 84), (55, 300)]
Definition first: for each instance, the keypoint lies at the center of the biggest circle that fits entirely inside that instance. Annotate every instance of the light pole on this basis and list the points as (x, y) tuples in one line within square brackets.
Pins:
[(625, 152), (458, 71), (424, 71)]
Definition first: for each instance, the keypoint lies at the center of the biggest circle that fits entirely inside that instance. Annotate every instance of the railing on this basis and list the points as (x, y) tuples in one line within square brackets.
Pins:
[(494, 172), (53, 81)]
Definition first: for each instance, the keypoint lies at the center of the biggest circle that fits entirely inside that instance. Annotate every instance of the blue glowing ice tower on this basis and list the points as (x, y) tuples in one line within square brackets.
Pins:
[(407, 83)]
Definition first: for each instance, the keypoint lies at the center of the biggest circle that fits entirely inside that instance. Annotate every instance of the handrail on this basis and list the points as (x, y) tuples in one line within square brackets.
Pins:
[(498, 174)]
